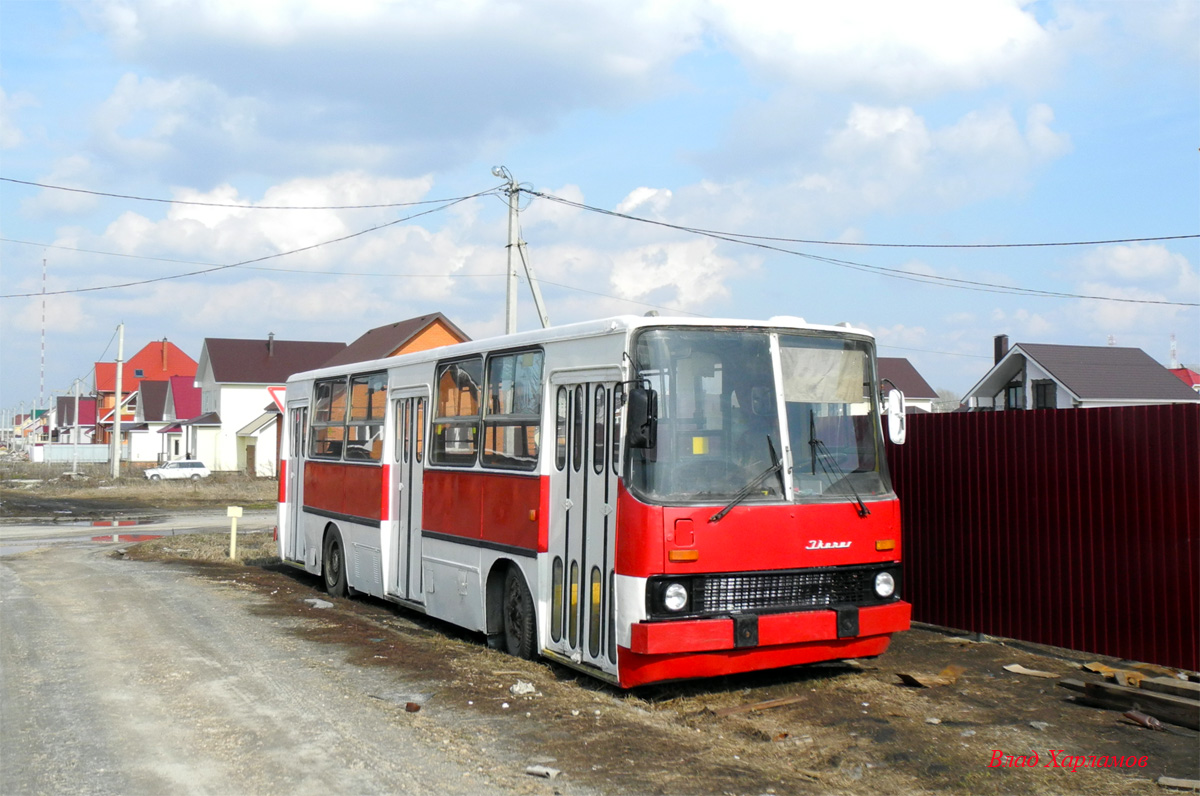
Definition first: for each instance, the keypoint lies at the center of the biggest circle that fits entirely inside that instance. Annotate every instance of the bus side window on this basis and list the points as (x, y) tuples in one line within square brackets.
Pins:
[(560, 429), (457, 414), (599, 421), (329, 418), (419, 448), (513, 416)]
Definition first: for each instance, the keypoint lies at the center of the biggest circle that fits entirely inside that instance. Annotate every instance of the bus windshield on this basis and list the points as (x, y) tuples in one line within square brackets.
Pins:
[(721, 425)]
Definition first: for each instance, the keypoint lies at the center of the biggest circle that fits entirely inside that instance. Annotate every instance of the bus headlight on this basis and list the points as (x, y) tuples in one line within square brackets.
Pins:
[(885, 584), (675, 597)]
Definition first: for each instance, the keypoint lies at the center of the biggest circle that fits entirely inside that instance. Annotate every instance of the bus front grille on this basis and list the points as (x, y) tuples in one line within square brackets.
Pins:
[(802, 590)]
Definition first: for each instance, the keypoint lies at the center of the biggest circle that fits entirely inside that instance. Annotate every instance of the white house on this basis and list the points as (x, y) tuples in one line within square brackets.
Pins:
[(1041, 376), (233, 431)]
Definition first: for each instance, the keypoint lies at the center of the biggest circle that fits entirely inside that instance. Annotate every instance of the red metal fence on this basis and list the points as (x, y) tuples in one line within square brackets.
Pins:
[(1078, 528)]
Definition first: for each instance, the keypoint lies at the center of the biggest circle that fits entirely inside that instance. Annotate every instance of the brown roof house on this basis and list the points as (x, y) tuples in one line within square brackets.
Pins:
[(237, 429), (1041, 376), (918, 395), (402, 337)]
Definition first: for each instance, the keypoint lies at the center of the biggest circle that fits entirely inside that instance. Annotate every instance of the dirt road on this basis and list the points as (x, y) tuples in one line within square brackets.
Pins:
[(127, 678), (144, 677)]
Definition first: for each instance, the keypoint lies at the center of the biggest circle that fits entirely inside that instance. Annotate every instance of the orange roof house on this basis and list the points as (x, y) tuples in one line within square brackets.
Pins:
[(403, 337), (157, 361)]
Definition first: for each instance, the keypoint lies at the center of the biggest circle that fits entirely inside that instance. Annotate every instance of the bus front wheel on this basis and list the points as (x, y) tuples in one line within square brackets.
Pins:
[(333, 565), (520, 630)]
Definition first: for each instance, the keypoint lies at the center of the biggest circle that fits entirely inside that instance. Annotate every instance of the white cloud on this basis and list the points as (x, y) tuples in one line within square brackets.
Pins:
[(900, 49), (900, 335), (1152, 264), (1142, 272), (11, 135), (652, 200), (891, 157), (692, 270), (73, 171)]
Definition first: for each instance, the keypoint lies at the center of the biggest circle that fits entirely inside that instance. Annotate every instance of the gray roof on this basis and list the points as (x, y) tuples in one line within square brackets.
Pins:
[(152, 396), (1095, 373), (1108, 372)]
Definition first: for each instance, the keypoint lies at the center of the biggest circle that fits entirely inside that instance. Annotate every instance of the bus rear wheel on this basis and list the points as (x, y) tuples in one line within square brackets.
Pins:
[(520, 630), (333, 565)]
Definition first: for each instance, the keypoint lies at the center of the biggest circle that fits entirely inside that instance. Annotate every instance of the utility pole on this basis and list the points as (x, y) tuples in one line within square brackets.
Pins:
[(115, 457), (515, 249), (510, 292), (75, 433), (42, 379)]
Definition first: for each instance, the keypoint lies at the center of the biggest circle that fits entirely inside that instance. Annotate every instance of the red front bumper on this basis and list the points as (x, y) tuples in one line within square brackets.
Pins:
[(705, 647)]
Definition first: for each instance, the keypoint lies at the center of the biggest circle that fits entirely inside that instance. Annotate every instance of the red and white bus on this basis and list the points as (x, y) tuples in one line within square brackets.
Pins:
[(642, 498)]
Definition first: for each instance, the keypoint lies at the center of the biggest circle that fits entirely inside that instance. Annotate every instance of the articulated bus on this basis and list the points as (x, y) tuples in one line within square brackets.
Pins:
[(641, 498)]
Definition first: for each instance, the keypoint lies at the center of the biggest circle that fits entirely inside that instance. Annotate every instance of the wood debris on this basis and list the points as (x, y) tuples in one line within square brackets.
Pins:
[(757, 706), (1179, 784), (1178, 710), (1017, 668), (948, 676)]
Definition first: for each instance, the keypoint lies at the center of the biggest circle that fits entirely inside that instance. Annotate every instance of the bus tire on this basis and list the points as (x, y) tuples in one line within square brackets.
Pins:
[(520, 629), (333, 565)]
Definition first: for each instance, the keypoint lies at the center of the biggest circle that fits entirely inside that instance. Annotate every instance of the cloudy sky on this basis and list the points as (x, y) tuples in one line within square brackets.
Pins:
[(190, 129)]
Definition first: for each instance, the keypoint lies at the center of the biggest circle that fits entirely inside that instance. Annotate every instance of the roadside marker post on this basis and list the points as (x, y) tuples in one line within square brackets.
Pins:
[(233, 512)]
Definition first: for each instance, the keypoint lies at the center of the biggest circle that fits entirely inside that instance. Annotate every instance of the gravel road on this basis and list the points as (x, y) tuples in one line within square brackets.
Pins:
[(134, 678)]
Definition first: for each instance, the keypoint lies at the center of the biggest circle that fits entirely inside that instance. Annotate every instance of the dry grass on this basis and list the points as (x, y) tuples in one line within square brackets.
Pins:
[(255, 549), (54, 482)]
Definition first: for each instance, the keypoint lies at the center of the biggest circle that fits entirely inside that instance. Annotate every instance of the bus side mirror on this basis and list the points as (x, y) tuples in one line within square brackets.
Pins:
[(897, 426), (641, 418)]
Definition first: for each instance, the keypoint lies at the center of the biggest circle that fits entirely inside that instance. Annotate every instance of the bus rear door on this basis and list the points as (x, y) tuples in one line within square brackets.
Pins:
[(583, 498), (408, 465)]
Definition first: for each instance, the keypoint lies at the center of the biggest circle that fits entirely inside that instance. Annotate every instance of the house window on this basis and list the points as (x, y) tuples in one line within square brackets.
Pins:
[(1045, 395), (1014, 397)]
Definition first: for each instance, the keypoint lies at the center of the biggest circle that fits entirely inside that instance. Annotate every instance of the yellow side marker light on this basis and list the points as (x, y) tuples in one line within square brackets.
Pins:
[(885, 544), (683, 556)]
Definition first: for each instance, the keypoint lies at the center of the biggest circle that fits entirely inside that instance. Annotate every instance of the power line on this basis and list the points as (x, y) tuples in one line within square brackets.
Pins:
[(746, 236), (245, 263), (895, 273), (581, 206), (242, 206), (216, 266)]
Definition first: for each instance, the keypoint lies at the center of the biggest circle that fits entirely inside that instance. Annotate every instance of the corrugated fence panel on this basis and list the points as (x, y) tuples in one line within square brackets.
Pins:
[(1078, 528)]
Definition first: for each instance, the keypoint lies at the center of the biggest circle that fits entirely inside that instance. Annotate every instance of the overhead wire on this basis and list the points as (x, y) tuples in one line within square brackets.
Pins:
[(894, 273), (245, 263), (235, 206), (757, 241)]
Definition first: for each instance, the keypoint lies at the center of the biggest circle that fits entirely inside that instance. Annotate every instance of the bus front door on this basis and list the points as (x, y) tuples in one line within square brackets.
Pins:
[(294, 487), (408, 466), (583, 498)]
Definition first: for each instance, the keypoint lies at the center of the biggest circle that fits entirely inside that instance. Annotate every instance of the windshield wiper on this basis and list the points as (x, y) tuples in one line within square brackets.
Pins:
[(776, 466), (834, 471)]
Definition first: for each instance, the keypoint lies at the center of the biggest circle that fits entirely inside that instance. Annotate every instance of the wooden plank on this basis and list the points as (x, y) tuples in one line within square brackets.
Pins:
[(1165, 707), (756, 706), (1172, 685), (1179, 784)]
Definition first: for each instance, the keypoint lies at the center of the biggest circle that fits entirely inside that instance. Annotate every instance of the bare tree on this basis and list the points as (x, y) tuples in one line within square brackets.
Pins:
[(947, 400)]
